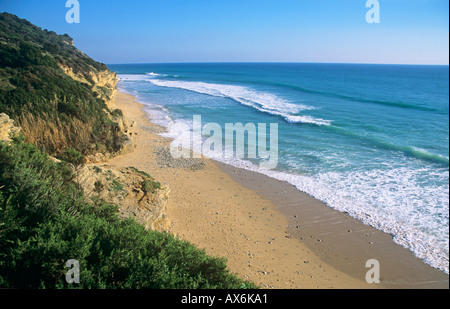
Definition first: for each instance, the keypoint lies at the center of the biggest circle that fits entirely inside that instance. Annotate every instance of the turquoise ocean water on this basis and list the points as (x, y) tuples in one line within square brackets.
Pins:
[(369, 140)]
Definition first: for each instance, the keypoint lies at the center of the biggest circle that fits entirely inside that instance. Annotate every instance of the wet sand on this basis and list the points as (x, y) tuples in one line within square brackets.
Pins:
[(340, 240), (270, 233)]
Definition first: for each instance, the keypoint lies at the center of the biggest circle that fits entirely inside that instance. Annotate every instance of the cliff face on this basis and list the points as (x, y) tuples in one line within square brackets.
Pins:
[(63, 102), (7, 128), (105, 81), (102, 82), (61, 98)]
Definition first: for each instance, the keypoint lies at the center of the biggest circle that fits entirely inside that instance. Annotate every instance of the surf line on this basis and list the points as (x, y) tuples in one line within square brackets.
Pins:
[(190, 142)]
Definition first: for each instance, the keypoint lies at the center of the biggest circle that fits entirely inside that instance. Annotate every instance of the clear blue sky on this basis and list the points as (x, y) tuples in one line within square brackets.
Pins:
[(114, 31)]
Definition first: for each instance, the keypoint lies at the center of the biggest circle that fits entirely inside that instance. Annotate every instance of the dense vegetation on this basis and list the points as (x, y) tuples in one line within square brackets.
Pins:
[(45, 221), (44, 218), (16, 30), (55, 111)]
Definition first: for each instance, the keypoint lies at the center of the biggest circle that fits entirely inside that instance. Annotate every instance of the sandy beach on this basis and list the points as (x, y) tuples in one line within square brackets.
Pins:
[(270, 233)]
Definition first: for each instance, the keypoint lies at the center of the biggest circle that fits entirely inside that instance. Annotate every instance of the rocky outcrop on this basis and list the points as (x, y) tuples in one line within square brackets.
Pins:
[(138, 195), (7, 128), (103, 82), (128, 131)]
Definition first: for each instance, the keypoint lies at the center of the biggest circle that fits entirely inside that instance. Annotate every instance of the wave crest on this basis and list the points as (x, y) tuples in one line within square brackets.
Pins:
[(262, 101)]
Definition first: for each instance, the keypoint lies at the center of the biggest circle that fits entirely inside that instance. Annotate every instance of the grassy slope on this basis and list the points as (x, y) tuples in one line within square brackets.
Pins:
[(45, 221), (44, 217), (55, 111)]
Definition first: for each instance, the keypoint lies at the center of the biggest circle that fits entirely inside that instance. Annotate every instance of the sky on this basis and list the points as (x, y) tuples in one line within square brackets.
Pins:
[(326, 31)]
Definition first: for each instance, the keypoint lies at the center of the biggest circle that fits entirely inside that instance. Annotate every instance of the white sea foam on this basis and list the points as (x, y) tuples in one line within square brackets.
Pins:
[(262, 101), (307, 119), (389, 200), (422, 153), (132, 77), (160, 116)]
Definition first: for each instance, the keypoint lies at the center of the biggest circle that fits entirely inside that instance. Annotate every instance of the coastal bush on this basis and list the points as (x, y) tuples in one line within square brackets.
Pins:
[(54, 110), (98, 186), (149, 186), (45, 221), (116, 186), (117, 113), (140, 172), (72, 156), (15, 30)]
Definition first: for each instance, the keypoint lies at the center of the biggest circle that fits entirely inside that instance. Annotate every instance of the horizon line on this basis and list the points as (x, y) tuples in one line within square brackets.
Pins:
[(278, 62)]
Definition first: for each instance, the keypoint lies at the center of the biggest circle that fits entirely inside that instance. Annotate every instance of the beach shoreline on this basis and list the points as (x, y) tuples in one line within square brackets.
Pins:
[(270, 233), (339, 239)]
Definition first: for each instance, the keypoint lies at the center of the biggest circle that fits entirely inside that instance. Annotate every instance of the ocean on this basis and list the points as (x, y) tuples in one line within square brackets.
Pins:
[(368, 140)]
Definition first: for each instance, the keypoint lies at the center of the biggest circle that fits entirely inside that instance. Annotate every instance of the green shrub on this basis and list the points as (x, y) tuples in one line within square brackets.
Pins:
[(72, 156), (116, 186), (98, 186), (140, 172), (34, 90), (45, 221), (149, 186), (117, 113)]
